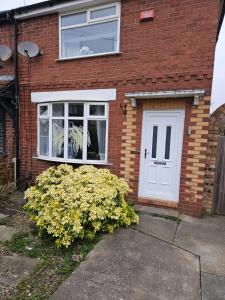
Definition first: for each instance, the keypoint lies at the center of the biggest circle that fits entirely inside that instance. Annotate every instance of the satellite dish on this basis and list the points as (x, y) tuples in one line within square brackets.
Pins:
[(28, 49), (5, 53)]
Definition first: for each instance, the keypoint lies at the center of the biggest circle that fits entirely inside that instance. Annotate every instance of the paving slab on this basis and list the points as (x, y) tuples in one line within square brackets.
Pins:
[(157, 226), (133, 265), (205, 237), (157, 210), (6, 233), (19, 268), (3, 216), (213, 287), (18, 197)]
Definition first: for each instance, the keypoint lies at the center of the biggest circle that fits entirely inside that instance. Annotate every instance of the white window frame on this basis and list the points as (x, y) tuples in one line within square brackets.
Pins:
[(90, 21), (86, 117)]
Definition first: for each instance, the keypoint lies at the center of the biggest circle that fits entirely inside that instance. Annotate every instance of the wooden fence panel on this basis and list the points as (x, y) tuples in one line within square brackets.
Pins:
[(219, 183)]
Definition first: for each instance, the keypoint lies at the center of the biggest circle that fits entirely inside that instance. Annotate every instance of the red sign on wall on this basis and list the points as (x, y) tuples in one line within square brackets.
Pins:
[(147, 15)]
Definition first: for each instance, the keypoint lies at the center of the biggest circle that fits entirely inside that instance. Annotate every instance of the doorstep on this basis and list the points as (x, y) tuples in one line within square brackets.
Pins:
[(153, 210), (157, 202)]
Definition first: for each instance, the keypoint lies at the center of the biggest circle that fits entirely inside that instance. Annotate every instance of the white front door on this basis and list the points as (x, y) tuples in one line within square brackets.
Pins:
[(161, 150)]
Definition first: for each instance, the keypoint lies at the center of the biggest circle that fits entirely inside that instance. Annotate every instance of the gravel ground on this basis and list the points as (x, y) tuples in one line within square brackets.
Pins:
[(12, 208), (5, 290)]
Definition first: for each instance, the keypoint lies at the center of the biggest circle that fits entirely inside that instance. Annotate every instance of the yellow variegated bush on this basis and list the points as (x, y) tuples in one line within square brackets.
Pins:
[(78, 203)]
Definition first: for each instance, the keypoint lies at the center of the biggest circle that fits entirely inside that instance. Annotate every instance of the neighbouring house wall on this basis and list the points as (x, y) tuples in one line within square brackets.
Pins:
[(6, 163), (6, 38), (7, 139), (216, 128), (10, 139)]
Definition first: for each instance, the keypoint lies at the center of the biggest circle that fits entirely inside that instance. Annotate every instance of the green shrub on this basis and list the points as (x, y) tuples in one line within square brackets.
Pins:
[(71, 204)]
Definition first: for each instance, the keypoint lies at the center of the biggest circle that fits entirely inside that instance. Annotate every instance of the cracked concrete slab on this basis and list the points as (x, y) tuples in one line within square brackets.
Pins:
[(205, 237), (6, 233), (213, 287), (158, 227), (133, 265)]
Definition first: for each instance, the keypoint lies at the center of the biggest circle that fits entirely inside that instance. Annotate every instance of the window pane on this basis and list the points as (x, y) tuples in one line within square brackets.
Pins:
[(44, 110), (168, 139), (92, 39), (74, 19), (44, 137), (97, 110), (96, 139), (58, 110), (75, 139), (76, 110), (154, 141), (58, 138), (104, 12)]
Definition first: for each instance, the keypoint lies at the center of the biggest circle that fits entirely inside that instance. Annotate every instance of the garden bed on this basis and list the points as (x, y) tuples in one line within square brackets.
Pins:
[(54, 265)]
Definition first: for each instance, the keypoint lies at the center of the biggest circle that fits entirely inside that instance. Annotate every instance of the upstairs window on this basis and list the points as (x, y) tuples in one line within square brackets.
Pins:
[(90, 32)]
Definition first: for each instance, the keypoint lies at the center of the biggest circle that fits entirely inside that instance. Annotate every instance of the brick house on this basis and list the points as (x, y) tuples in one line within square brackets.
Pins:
[(122, 85)]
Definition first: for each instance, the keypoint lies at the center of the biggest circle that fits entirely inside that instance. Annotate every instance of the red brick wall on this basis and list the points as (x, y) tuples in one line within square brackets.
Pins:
[(10, 138), (6, 163), (6, 34), (179, 42), (175, 51)]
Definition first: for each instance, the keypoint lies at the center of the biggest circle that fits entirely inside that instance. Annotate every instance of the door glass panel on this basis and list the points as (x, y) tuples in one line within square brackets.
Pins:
[(154, 141), (58, 138), (75, 139), (168, 140)]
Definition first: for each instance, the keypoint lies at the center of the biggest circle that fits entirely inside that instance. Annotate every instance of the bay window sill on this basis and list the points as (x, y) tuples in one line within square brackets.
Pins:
[(88, 56), (68, 161)]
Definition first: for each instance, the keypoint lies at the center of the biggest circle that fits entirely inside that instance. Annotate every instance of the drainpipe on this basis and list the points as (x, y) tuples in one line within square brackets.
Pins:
[(16, 121)]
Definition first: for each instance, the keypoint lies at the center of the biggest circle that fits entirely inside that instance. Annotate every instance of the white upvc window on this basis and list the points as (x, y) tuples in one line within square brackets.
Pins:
[(90, 32), (73, 131)]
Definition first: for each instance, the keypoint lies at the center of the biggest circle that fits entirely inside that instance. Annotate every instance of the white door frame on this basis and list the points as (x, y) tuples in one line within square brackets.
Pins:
[(181, 113)]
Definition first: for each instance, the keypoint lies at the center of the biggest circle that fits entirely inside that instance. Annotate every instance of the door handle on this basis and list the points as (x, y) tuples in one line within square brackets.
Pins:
[(146, 152)]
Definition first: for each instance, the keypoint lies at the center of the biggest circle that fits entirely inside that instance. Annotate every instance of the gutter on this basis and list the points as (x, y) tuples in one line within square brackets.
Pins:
[(49, 7)]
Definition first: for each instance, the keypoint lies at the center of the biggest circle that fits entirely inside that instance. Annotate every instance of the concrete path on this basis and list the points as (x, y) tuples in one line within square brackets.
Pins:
[(161, 258)]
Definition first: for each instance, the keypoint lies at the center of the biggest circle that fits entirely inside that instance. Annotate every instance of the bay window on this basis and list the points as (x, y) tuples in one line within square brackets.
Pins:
[(90, 32), (73, 131)]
